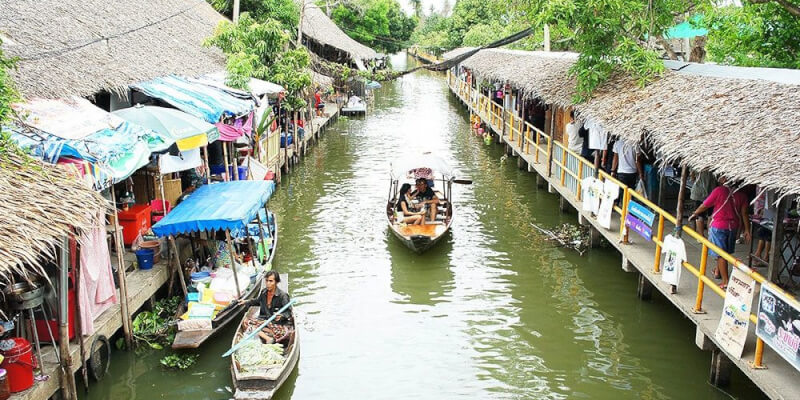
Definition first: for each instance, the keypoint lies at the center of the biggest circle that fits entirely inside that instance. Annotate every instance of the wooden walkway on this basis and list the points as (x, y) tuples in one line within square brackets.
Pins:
[(779, 380)]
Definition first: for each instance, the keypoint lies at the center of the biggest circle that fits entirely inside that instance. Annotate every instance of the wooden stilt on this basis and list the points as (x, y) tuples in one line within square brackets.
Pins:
[(178, 265), (67, 378), (122, 276), (225, 161), (79, 322), (233, 262)]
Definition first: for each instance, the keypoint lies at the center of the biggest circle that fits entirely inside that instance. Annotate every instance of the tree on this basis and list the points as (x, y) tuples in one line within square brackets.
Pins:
[(764, 35), (256, 49), (380, 24), (417, 6), (8, 93), (286, 12), (469, 13), (483, 34)]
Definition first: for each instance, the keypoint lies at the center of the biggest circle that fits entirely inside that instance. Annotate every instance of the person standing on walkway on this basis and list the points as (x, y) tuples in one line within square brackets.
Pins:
[(574, 141), (624, 165), (701, 189), (730, 213)]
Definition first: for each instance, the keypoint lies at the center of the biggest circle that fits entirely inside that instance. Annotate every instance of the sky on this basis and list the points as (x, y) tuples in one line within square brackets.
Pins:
[(426, 5)]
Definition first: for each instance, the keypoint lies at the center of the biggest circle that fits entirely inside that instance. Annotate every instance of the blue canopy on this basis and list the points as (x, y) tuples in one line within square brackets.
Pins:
[(202, 101), (219, 206)]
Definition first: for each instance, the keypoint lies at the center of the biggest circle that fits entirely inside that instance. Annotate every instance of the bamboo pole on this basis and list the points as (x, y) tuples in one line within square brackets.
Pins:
[(208, 166), (225, 161), (122, 277), (234, 161), (178, 265), (233, 262), (67, 378), (79, 323)]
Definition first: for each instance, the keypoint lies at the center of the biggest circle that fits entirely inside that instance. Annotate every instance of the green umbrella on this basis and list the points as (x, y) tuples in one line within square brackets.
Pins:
[(171, 124)]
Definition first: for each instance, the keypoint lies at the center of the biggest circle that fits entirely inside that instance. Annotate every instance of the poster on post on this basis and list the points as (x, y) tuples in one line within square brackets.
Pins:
[(638, 226), (779, 325), (732, 329)]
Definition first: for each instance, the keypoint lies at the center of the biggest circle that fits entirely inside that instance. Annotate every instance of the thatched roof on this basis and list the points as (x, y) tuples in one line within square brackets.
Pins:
[(41, 203), (321, 29), (456, 52), (81, 47), (718, 118), (322, 81)]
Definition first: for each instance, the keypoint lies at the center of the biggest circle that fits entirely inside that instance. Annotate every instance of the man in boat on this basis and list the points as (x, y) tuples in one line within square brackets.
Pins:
[(270, 300), (426, 197)]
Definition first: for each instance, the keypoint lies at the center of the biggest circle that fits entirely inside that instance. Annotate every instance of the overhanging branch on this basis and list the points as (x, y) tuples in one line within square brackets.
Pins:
[(790, 7)]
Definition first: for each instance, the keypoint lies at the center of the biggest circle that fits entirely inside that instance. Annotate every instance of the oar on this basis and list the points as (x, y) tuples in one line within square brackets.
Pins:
[(463, 181), (254, 332)]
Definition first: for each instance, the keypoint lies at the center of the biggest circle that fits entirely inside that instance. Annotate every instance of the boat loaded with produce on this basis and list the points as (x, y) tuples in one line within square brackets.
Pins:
[(234, 237)]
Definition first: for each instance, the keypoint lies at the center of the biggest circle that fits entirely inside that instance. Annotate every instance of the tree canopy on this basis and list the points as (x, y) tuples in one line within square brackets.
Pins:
[(379, 24), (286, 12)]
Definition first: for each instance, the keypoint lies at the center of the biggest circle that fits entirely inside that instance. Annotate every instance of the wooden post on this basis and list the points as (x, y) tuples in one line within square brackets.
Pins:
[(225, 161), (550, 142), (233, 262), (208, 166), (178, 265), (776, 251), (122, 277), (235, 11), (681, 195), (234, 161), (546, 37), (79, 323), (67, 378)]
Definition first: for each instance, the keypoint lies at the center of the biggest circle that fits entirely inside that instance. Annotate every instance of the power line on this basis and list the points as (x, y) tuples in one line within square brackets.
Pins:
[(58, 52)]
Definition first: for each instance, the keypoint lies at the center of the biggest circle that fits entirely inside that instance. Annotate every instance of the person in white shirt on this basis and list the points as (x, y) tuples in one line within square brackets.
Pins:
[(598, 138), (574, 141), (624, 166)]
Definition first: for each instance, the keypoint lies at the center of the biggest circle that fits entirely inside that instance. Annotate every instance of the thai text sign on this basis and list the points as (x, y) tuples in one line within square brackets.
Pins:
[(732, 329), (779, 325), (641, 212), (638, 226)]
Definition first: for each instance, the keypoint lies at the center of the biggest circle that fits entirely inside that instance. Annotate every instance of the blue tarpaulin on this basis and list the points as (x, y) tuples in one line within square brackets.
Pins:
[(202, 101), (219, 206)]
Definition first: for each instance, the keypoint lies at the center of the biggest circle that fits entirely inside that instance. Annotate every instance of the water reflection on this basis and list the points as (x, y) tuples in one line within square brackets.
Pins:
[(421, 279)]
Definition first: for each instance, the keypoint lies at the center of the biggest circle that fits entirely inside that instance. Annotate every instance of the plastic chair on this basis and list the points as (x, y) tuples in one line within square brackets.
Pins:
[(158, 209)]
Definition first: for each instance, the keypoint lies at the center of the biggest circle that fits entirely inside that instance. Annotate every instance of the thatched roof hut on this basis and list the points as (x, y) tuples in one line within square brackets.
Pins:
[(41, 204), (325, 34), (739, 122), (456, 52), (82, 47)]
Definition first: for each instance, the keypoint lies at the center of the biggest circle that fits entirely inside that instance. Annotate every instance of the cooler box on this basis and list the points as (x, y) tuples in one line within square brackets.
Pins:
[(134, 221), (41, 324)]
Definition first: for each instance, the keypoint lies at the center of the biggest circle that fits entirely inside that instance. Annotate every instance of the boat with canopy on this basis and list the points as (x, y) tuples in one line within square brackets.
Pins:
[(233, 219), (440, 178)]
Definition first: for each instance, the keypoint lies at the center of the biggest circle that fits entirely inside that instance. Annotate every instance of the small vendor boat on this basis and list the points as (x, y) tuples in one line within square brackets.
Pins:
[(420, 238), (354, 106), (223, 207), (261, 381)]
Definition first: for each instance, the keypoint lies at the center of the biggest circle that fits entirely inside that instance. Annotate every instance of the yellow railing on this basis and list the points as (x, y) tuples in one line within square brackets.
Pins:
[(571, 164)]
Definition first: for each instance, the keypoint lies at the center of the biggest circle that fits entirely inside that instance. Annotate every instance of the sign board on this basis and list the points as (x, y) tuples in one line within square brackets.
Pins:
[(641, 212), (731, 332), (638, 226), (779, 325)]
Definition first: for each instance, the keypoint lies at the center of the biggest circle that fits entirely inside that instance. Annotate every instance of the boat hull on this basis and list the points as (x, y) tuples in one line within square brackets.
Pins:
[(255, 386)]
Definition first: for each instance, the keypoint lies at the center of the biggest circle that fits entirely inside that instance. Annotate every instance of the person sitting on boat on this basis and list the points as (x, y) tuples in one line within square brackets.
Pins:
[(271, 299), (404, 205), (426, 197)]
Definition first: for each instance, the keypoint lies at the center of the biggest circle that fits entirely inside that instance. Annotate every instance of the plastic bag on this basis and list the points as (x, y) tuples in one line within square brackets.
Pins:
[(135, 245), (640, 188)]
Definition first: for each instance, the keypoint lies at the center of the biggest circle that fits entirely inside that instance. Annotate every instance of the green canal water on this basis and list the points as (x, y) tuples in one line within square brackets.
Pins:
[(494, 311)]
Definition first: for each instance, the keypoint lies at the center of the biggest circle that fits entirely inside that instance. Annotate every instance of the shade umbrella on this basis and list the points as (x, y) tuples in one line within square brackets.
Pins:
[(175, 126)]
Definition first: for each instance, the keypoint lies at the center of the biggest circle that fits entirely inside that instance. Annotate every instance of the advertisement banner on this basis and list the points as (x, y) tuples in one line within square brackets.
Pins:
[(732, 329), (779, 325), (638, 226), (641, 212)]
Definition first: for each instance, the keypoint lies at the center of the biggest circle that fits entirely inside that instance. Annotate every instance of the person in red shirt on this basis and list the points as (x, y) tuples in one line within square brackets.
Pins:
[(318, 104), (730, 213)]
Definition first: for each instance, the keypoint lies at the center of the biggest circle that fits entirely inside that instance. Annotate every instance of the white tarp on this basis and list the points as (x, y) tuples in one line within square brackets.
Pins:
[(187, 160), (72, 118)]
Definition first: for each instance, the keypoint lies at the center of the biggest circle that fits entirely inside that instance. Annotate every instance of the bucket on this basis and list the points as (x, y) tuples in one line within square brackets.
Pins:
[(154, 245), (243, 173), (144, 258), (19, 364)]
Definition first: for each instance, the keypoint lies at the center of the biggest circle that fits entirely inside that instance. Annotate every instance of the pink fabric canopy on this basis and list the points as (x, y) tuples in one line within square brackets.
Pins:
[(229, 133)]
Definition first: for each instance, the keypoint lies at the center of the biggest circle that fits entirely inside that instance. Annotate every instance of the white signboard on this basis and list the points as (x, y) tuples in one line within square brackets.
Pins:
[(732, 330)]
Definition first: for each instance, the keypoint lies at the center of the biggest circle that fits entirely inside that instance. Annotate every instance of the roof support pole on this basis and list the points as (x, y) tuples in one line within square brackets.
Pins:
[(225, 161), (233, 262), (67, 378), (208, 166), (178, 265), (234, 161), (546, 37), (121, 276), (776, 251)]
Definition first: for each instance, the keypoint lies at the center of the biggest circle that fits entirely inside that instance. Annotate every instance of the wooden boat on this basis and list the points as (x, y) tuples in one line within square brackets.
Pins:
[(354, 106), (420, 238), (264, 382), (192, 339)]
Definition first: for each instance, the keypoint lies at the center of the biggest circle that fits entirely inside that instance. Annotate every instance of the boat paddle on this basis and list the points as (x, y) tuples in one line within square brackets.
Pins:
[(255, 331), (463, 181)]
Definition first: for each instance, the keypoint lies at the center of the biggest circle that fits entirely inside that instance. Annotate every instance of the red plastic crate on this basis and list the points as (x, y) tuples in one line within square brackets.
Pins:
[(41, 325), (134, 221)]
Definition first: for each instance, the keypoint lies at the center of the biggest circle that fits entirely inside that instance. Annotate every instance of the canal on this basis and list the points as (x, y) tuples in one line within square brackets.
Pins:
[(492, 312)]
